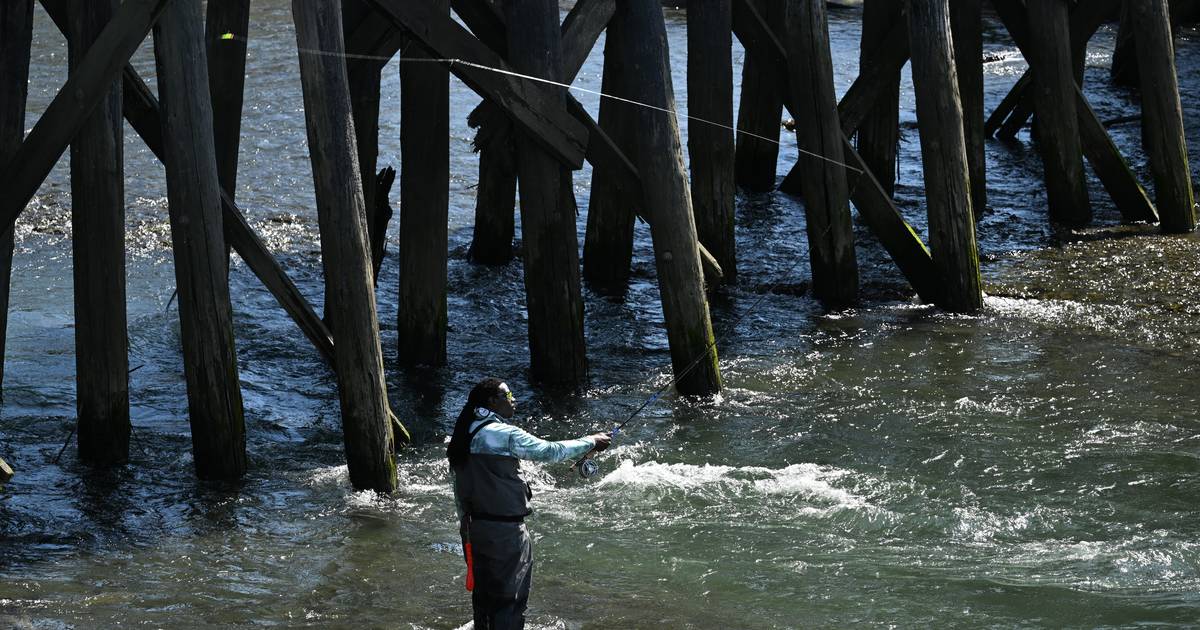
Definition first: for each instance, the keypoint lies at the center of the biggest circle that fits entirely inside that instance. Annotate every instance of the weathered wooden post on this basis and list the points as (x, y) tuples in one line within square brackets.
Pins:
[(194, 201), (551, 251), (225, 30), (659, 158), (944, 156), (759, 115), (16, 33), (98, 253), (365, 79), (1054, 101), (711, 146), (345, 253), (1124, 69), (424, 205), (966, 24), (880, 131), (1162, 116), (819, 136), (608, 244), (496, 193)]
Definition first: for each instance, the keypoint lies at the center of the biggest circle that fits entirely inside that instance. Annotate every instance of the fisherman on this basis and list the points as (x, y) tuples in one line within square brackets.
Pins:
[(493, 500)]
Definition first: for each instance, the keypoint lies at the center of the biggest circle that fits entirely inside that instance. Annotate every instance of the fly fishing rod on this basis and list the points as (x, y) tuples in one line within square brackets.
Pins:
[(587, 465)]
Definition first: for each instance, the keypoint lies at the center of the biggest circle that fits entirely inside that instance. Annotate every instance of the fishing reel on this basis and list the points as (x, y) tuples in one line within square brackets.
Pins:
[(588, 468)]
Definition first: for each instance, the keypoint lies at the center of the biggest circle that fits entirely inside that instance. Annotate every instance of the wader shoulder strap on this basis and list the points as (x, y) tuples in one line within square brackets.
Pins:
[(471, 435)]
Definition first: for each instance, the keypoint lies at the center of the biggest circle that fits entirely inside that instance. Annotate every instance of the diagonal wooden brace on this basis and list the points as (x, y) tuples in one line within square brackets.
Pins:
[(74, 103), (526, 102), (874, 204), (141, 109), (580, 30), (1099, 149)]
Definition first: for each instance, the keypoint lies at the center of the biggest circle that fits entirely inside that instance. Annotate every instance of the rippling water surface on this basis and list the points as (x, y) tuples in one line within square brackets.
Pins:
[(1035, 465)]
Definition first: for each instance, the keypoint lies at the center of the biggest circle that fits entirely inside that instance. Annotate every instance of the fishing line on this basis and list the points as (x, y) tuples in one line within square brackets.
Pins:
[(451, 61), (588, 467)]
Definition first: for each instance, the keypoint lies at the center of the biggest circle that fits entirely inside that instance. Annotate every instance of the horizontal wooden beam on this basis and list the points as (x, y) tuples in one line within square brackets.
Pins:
[(62, 120), (526, 102)]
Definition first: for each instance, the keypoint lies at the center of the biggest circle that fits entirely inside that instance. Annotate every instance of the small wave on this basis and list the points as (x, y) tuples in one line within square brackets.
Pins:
[(808, 481)]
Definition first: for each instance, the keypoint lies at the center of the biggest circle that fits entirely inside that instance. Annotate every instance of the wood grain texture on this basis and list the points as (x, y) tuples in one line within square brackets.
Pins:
[(194, 202), (944, 156), (711, 146), (345, 251), (16, 35), (762, 96), (1162, 116), (659, 157), (424, 207), (819, 137), (98, 258)]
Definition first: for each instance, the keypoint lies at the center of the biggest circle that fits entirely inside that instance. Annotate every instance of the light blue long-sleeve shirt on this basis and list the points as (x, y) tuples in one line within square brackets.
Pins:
[(501, 438)]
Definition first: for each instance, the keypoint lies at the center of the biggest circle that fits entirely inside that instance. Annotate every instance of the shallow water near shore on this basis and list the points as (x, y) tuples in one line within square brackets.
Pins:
[(1036, 465)]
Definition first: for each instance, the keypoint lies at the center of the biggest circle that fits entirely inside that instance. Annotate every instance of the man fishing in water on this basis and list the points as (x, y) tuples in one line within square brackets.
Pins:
[(493, 500)]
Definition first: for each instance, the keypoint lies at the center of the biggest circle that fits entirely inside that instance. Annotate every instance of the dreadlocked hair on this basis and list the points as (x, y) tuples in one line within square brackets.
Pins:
[(460, 443)]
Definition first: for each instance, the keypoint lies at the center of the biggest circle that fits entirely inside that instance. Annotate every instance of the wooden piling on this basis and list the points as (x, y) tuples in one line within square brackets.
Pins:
[(6, 471), (711, 146), (16, 33), (756, 153), (608, 244), (496, 191), (549, 245), (944, 156), (659, 158), (194, 201), (880, 132), (966, 24), (98, 253), (1124, 69), (345, 252), (1162, 116), (819, 136), (365, 80), (226, 81), (424, 205), (1054, 100)]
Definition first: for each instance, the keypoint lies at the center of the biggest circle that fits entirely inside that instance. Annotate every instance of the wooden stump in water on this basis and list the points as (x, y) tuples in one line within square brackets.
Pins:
[(1162, 116), (1054, 100), (879, 132), (98, 248), (711, 146), (549, 245), (16, 33), (6, 471), (819, 136), (944, 156), (966, 23), (194, 201), (345, 253), (424, 206), (759, 114), (659, 159)]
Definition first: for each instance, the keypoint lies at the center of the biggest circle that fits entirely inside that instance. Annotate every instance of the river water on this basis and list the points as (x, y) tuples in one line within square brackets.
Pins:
[(890, 465)]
